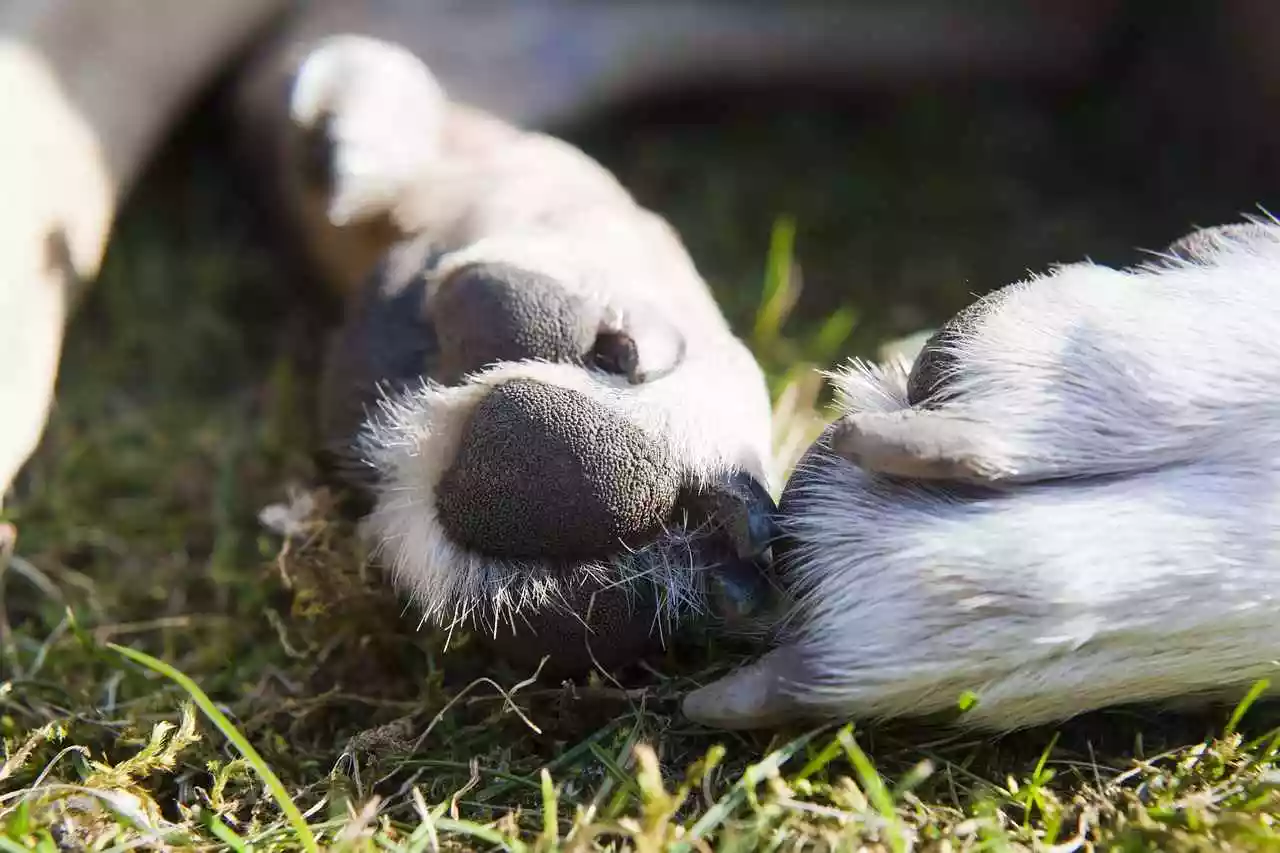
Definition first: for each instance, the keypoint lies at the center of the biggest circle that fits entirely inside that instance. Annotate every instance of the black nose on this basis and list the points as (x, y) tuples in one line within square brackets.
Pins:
[(487, 313), (547, 472)]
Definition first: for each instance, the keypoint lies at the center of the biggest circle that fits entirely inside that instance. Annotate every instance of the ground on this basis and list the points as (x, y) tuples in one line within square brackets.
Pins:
[(323, 717)]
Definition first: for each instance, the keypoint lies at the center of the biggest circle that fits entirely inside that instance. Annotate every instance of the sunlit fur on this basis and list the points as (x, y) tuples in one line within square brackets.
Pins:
[(537, 203), (413, 439), (1125, 545)]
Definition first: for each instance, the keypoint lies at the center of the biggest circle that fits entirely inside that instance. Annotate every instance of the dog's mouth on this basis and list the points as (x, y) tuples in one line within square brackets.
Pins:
[(709, 566), (547, 519)]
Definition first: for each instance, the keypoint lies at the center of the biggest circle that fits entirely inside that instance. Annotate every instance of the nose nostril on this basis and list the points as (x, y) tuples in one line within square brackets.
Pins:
[(641, 344), (487, 313)]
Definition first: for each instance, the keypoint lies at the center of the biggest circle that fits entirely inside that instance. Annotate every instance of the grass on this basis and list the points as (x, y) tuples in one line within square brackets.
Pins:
[(177, 676)]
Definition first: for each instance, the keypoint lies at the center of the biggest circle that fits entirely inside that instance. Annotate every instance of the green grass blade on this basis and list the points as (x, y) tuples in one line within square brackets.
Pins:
[(227, 835), (10, 846), (877, 792), (737, 794), (550, 811), (832, 336), (481, 833), (780, 293), (205, 704), (1259, 687)]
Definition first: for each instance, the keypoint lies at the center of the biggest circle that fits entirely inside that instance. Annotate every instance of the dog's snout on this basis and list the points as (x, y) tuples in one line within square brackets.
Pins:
[(547, 472)]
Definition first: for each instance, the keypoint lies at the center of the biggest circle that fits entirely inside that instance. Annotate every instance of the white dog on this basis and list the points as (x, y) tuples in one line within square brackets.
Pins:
[(557, 434)]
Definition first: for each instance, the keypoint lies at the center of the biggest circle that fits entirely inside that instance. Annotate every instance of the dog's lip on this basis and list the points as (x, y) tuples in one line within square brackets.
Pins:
[(726, 530), (740, 591)]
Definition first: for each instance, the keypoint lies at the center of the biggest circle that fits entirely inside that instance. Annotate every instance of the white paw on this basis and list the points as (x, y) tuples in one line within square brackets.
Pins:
[(1081, 510), (382, 112)]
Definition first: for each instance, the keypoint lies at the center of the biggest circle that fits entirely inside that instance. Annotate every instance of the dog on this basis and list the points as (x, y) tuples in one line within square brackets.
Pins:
[(514, 389), (1063, 504), (559, 437)]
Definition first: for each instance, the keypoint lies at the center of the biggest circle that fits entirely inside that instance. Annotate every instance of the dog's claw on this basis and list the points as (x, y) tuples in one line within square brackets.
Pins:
[(740, 506), (751, 697)]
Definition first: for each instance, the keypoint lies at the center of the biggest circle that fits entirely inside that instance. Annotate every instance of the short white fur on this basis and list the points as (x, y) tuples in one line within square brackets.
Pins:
[(533, 201), (1125, 548)]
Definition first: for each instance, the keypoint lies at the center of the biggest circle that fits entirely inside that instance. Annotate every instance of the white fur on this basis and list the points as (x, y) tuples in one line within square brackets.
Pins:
[(532, 201), (1092, 371), (416, 436), (363, 86), (1130, 550)]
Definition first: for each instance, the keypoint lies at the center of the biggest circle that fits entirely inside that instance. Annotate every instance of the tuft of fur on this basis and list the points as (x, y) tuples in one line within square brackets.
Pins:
[(1090, 371), (1115, 536)]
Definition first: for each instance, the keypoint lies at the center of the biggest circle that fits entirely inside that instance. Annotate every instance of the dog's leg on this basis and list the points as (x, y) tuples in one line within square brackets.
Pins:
[(88, 88)]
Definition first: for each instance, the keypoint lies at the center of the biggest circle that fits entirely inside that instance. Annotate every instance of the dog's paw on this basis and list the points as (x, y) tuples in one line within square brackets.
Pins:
[(1084, 372), (561, 441), (574, 474), (1067, 502)]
